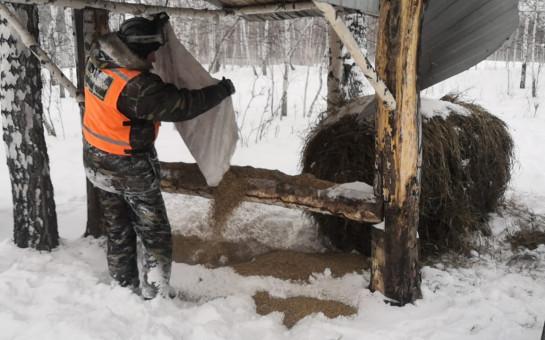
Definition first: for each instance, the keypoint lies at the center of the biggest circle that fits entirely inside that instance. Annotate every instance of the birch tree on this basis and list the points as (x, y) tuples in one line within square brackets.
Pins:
[(34, 215), (334, 74), (533, 45), (286, 74), (352, 81), (344, 81), (524, 53)]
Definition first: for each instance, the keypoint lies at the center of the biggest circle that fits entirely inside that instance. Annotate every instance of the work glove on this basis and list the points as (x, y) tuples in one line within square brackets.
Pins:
[(228, 85)]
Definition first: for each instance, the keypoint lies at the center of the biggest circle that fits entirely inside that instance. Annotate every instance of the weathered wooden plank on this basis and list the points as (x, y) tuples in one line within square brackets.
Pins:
[(354, 202), (395, 270)]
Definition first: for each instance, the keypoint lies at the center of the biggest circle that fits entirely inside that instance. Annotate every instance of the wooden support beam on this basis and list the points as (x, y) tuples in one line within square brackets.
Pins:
[(122, 7), (276, 188), (28, 40), (88, 24), (383, 93), (395, 267)]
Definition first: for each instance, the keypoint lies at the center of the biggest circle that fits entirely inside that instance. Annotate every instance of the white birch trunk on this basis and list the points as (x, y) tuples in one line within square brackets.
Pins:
[(265, 49), (533, 57), (34, 215), (524, 54), (285, 82), (334, 75)]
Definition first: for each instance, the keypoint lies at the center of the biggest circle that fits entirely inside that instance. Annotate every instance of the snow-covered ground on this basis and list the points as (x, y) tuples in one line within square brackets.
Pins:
[(67, 294)]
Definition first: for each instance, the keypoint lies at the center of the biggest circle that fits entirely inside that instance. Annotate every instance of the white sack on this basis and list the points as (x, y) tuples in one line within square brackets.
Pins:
[(211, 137)]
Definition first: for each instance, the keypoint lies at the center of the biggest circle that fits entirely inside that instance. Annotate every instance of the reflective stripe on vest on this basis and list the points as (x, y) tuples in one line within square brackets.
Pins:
[(104, 126)]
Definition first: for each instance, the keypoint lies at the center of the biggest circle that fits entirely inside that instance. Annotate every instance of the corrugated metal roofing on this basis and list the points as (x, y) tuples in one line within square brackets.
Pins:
[(457, 34)]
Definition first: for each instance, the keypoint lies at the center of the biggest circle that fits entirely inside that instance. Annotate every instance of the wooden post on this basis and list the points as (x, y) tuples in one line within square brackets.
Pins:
[(334, 75), (88, 24), (395, 268)]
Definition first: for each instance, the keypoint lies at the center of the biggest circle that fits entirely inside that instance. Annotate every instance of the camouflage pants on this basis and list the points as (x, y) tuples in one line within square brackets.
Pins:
[(134, 211)]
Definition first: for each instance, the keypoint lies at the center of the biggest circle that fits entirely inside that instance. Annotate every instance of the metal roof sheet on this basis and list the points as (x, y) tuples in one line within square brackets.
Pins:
[(457, 34)]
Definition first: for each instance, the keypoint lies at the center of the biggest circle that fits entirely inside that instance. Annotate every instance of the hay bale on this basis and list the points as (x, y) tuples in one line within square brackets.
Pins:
[(467, 159)]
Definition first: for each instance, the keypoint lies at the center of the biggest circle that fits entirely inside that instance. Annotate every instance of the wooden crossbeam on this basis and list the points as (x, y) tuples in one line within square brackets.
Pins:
[(276, 188)]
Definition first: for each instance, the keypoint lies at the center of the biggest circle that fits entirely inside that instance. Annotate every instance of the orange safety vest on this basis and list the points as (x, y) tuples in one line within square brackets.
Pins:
[(104, 126)]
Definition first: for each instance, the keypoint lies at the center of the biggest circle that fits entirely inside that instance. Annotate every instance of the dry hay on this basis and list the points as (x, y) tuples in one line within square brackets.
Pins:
[(530, 238), (466, 167), (530, 227), (342, 152), (297, 308), (295, 266)]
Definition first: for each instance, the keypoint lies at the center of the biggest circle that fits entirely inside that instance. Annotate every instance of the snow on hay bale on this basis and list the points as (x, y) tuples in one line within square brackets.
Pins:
[(467, 159)]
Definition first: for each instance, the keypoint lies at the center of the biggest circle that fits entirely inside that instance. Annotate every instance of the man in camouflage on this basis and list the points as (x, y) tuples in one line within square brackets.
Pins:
[(119, 154)]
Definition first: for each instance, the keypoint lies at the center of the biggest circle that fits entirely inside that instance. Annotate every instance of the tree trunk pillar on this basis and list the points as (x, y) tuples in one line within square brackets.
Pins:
[(34, 213), (88, 25), (395, 267)]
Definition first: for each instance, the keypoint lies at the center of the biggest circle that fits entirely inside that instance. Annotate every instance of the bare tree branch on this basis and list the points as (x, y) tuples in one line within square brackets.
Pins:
[(28, 40)]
